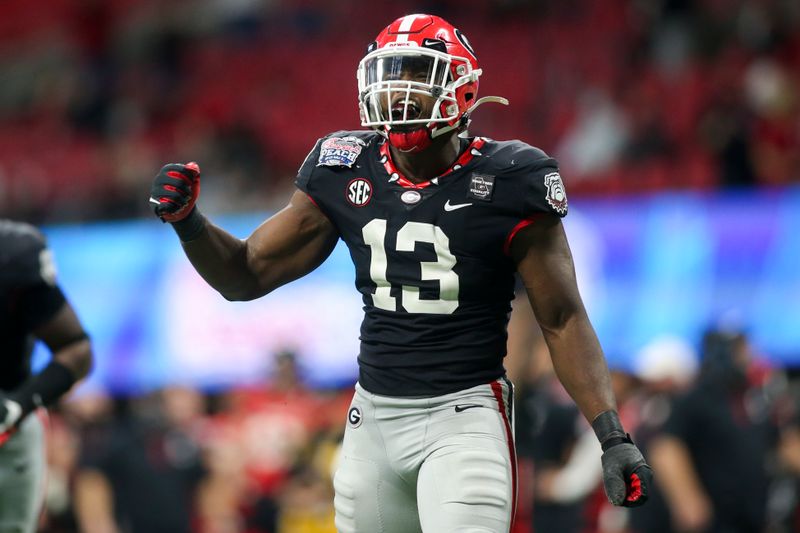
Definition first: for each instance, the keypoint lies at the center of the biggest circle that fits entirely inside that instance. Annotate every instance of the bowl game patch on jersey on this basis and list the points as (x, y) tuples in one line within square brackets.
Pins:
[(340, 151)]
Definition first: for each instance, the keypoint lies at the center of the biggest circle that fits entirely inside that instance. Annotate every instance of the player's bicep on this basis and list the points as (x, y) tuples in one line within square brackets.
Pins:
[(291, 243), (67, 340), (544, 263), (61, 329)]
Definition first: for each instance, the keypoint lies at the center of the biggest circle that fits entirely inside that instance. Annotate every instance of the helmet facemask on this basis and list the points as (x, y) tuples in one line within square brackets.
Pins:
[(389, 77)]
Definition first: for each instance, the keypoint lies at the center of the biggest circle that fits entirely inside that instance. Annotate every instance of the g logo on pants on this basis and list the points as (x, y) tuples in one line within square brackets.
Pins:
[(354, 417)]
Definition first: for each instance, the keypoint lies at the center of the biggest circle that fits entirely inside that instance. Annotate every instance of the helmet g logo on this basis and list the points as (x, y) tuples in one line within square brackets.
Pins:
[(354, 416), (465, 42), (359, 192)]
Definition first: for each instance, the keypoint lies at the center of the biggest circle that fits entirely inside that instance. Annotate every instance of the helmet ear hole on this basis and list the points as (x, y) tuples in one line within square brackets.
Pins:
[(468, 97)]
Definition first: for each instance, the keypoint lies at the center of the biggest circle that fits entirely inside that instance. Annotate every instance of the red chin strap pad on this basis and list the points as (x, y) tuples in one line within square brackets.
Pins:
[(411, 141)]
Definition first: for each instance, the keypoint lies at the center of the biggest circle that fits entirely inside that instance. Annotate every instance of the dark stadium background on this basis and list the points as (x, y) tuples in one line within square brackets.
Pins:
[(676, 123)]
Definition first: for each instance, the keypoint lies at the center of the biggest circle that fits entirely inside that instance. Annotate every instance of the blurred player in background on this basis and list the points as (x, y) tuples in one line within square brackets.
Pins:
[(713, 444), (437, 224), (32, 306)]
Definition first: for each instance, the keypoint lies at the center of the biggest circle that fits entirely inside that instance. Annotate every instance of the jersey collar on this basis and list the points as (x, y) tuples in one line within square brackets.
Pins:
[(466, 156)]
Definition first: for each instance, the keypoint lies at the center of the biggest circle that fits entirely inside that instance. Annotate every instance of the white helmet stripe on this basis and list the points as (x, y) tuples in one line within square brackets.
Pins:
[(405, 27)]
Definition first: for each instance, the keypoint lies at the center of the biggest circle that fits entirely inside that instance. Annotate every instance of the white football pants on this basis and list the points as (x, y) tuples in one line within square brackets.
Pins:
[(433, 465), (22, 474)]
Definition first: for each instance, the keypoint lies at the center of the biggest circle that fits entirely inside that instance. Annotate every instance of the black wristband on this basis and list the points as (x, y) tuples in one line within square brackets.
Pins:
[(609, 429), (189, 228), (613, 441), (44, 388)]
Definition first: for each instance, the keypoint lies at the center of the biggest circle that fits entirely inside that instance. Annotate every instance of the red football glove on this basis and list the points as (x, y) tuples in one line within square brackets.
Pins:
[(175, 191)]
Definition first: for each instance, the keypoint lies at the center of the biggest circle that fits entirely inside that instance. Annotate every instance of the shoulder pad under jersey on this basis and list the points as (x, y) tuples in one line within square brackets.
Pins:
[(535, 181), (24, 256)]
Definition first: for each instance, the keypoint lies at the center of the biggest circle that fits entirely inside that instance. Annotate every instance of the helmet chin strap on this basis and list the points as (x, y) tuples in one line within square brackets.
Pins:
[(484, 100), (465, 117)]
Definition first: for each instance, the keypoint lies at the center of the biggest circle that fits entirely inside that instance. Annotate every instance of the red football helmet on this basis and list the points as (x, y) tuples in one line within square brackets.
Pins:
[(423, 55)]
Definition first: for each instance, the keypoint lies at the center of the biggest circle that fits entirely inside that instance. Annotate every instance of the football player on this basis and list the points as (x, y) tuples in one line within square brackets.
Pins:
[(32, 306), (437, 223)]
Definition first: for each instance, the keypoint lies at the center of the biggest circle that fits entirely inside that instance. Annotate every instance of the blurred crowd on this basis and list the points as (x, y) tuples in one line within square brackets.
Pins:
[(248, 460), (630, 95), (720, 427), (718, 424)]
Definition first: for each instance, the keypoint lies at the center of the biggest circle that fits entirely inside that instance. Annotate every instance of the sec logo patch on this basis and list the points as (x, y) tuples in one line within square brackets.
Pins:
[(359, 192), (354, 417)]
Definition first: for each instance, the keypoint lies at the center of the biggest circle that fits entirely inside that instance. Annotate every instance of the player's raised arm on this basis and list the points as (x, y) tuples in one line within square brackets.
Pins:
[(544, 262), (285, 247)]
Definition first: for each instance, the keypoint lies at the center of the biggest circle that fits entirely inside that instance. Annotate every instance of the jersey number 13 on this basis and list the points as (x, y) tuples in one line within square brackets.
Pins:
[(441, 270)]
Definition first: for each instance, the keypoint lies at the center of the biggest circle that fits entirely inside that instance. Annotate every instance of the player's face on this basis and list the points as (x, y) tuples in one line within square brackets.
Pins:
[(412, 79)]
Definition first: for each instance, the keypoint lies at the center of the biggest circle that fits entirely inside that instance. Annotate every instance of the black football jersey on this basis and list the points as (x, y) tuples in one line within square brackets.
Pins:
[(29, 296), (431, 259)]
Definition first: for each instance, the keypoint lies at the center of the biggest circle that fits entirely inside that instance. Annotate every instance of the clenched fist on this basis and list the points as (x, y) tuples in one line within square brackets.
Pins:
[(175, 191), (626, 475)]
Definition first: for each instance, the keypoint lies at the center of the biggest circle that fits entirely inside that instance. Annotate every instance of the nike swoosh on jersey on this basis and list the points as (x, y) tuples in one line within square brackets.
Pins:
[(452, 207), (460, 408)]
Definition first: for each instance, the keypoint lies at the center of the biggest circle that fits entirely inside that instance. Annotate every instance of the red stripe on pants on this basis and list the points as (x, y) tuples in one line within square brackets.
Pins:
[(498, 394)]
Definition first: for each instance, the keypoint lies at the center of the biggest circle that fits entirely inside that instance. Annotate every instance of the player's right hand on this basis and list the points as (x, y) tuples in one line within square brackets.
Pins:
[(175, 191), (10, 415)]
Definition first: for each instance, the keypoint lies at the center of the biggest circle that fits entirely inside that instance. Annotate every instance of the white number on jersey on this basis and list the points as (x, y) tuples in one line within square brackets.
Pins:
[(441, 270)]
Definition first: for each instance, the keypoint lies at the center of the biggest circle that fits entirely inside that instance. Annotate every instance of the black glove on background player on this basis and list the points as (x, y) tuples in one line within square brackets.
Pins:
[(173, 195), (626, 475)]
